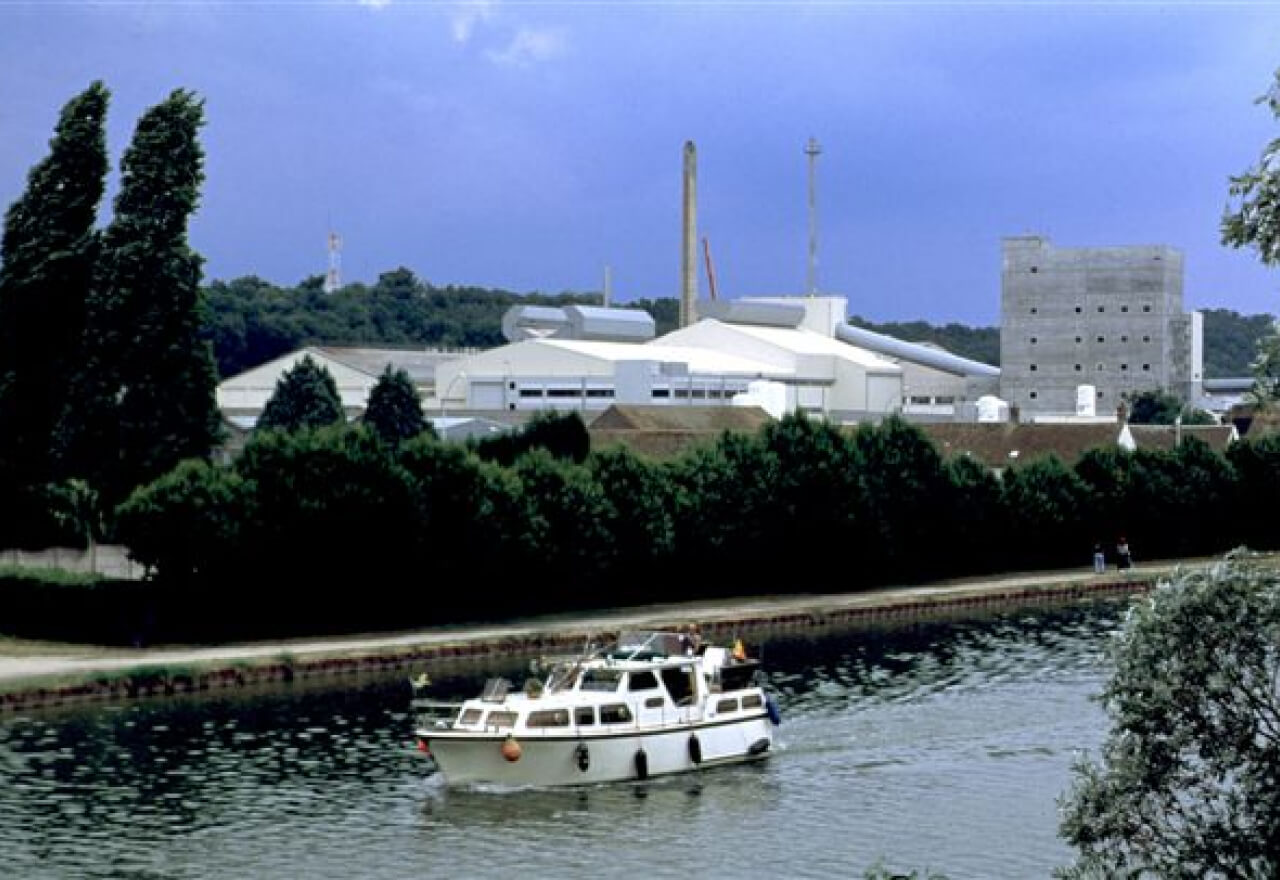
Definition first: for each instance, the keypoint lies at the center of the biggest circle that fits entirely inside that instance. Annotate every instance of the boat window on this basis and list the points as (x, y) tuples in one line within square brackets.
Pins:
[(727, 706), (644, 680), (548, 718), (501, 719), (584, 715), (752, 702), (617, 713), (601, 680), (654, 703), (470, 716), (679, 682)]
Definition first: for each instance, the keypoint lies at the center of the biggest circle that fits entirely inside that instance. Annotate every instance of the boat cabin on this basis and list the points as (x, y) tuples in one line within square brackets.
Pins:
[(646, 678)]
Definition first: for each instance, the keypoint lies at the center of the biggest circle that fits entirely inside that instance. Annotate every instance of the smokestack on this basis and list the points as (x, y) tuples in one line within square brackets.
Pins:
[(689, 243)]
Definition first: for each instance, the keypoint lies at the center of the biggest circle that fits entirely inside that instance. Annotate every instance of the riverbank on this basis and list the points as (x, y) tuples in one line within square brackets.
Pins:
[(35, 675)]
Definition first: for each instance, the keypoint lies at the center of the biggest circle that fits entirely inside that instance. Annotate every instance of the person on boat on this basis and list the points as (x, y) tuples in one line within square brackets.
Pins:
[(691, 640)]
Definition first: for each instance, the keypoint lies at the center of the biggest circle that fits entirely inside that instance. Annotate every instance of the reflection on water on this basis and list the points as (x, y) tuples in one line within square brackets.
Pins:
[(940, 745)]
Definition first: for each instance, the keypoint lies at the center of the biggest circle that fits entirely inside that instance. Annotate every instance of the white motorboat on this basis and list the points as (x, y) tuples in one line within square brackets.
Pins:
[(650, 705)]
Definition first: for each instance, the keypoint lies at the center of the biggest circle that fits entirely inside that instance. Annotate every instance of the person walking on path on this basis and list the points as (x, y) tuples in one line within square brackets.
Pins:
[(1123, 559), (1099, 558)]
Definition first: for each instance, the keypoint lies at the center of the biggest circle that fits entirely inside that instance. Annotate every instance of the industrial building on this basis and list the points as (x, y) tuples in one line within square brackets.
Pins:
[(1107, 318), (783, 354)]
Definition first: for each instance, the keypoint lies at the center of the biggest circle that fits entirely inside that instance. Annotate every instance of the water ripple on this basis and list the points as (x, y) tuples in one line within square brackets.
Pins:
[(933, 745)]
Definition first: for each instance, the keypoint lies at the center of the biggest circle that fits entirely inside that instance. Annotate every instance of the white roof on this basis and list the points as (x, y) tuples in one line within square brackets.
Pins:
[(803, 341), (700, 360)]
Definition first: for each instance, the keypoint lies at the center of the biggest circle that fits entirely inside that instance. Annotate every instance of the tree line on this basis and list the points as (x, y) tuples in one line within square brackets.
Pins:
[(346, 527)]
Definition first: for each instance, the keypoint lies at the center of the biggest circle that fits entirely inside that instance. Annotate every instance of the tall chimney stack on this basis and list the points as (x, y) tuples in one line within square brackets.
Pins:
[(689, 243)]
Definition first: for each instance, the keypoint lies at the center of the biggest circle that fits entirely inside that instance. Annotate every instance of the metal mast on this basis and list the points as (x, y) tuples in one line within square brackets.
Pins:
[(812, 150), (333, 278)]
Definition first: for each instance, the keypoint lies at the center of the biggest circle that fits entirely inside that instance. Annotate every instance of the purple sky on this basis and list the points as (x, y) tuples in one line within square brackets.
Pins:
[(527, 145)]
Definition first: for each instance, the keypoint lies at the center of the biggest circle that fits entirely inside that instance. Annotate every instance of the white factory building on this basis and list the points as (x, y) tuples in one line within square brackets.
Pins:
[(782, 353)]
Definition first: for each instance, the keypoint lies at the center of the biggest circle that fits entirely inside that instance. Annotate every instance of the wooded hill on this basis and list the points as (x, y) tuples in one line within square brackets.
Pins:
[(250, 321)]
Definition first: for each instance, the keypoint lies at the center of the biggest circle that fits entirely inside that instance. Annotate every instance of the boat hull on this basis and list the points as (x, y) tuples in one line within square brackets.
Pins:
[(465, 757)]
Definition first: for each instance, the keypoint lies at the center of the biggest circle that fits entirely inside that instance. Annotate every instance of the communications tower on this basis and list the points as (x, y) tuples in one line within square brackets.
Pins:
[(333, 278)]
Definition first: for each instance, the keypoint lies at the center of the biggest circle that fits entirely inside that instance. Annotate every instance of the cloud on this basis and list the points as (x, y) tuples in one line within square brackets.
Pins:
[(467, 15), (530, 46), (375, 4)]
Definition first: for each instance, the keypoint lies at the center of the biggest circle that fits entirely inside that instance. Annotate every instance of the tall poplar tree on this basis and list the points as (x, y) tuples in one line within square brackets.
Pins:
[(145, 399), (46, 264)]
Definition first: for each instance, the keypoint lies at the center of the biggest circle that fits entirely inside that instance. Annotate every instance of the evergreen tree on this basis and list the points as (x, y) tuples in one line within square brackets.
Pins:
[(305, 397), (394, 410), (145, 398), (46, 261)]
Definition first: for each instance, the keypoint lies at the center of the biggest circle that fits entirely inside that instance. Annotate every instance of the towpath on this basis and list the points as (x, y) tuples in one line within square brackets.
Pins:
[(27, 663)]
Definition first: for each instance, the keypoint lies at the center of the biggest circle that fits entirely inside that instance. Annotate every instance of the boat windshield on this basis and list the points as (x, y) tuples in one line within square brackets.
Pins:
[(644, 644), (563, 677)]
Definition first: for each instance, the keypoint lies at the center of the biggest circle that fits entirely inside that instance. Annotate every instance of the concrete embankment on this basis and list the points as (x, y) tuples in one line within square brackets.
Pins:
[(45, 677)]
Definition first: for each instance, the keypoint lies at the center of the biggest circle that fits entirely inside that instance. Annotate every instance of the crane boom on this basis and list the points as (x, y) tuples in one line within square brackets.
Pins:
[(711, 270)]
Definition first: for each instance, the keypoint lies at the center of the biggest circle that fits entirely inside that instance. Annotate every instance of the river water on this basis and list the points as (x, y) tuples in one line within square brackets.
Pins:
[(941, 746)]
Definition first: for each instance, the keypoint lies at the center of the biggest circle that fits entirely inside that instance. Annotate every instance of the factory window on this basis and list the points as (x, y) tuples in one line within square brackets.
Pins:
[(1146, 367), (1079, 339), (530, 392), (1033, 395), (1124, 308), (1101, 368), (1102, 339), (1034, 310), (1035, 269), (1146, 339), (1077, 310), (511, 385), (1124, 367), (660, 392), (945, 399), (1146, 308), (682, 393), (1077, 368), (599, 392), (1101, 309), (1033, 368), (1124, 338), (925, 401), (1033, 340), (564, 392)]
